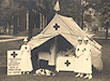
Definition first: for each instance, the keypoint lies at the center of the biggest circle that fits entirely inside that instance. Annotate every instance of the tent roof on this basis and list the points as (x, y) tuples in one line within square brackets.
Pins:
[(67, 28)]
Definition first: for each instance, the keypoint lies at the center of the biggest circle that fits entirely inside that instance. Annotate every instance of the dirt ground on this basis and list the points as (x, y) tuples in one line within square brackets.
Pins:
[(61, 76)]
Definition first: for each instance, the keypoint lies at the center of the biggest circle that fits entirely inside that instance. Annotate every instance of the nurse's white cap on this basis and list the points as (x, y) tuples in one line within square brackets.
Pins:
[(86, 38), (25, 40), (79, 38)]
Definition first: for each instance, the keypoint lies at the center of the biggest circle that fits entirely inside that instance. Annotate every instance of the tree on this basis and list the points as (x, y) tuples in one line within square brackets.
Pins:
[(38, 6), (8, 9)]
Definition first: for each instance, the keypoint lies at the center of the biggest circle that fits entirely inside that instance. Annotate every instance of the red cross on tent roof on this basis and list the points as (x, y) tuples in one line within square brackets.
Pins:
[(56, 26)]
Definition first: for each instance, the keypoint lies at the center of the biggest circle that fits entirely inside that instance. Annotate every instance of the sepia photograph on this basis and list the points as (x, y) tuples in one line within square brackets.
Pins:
[(54, 40)]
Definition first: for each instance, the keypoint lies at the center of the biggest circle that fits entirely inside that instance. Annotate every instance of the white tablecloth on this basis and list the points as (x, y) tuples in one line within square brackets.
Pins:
[(65, 63)]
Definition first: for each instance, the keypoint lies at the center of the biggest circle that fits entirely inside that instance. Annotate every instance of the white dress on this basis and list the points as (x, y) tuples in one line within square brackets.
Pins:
[(87, 59), (26, 64), (83, 63), (79, 58)]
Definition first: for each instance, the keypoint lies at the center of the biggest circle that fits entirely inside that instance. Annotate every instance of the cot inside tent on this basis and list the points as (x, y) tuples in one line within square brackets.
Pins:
[(70, 31)]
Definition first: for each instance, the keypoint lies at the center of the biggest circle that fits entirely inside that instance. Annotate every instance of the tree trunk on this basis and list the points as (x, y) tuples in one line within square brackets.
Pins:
[(30, 25), (107, 25), (15, 26)]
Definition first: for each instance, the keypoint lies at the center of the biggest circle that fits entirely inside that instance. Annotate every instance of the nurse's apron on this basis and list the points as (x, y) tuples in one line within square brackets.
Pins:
[(26, 64)]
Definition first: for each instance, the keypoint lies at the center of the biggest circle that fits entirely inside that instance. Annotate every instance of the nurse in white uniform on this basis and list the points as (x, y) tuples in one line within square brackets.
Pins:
[(87, 59), (26, 64), (79, 57)]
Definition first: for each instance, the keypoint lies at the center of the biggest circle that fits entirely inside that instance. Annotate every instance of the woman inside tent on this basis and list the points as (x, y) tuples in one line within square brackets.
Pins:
[(26, 65)]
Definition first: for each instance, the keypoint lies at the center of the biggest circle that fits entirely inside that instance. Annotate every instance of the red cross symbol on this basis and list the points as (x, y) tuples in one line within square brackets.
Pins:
[(67, 63), (14, 54), (56, 26)]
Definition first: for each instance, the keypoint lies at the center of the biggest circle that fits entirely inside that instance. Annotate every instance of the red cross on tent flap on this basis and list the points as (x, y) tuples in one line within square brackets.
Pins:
[(67, 63), (14, 54), (56, 26)]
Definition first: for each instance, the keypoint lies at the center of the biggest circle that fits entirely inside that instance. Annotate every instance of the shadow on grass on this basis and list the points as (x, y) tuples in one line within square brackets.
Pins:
[(3, 70)]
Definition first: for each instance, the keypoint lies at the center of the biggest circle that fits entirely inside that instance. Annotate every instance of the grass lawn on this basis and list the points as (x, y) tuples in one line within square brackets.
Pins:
[(100, 34), (62, 76)]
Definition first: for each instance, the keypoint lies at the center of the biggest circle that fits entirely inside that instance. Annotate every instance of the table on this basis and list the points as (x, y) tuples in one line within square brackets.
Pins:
[(65, 63)]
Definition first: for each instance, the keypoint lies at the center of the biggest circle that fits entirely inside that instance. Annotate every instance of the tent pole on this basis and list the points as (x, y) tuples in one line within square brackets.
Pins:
[(53, 52)]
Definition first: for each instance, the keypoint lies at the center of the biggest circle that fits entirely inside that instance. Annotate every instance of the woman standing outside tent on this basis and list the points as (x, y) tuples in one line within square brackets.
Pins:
[(79, 57), (87, 59), (83, 60), (26, 65)]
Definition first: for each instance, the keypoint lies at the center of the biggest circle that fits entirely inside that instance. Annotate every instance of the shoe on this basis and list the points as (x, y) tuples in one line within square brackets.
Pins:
[(87, 76), (77, 75), (81, 75), (90, 77), (23, 72), (28, 73)]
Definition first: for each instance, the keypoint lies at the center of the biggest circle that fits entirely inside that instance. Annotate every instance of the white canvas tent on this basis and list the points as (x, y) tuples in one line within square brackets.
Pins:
[(66, 27)]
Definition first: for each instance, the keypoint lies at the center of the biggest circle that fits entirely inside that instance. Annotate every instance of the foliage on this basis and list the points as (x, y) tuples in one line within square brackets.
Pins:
[(8, 8), (96, 12)]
